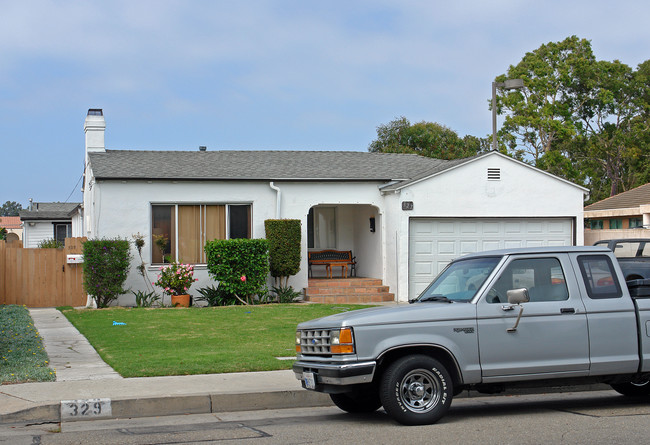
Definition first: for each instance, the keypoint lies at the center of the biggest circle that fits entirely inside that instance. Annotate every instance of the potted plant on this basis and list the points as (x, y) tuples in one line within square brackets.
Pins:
[(175, 281)]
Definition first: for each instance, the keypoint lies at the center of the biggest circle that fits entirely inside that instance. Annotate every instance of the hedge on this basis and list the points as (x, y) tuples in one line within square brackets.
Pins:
[(284, 237), (106, 265)]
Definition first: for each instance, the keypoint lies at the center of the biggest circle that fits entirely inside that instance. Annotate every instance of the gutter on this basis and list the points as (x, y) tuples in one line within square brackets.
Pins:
[(278, 199)]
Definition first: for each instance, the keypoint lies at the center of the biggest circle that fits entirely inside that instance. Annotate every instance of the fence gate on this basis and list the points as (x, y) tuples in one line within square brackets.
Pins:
[(41, 277)]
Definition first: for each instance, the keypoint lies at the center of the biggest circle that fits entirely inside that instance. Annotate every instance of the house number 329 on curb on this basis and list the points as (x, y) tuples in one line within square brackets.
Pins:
[(87, 408)]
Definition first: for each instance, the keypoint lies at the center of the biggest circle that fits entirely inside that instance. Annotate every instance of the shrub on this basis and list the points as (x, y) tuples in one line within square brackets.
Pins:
[(239, 265), (3, 233), (285, 294), (145, 299), (106, 265), (284, 238), (216, 296), (50, 244)]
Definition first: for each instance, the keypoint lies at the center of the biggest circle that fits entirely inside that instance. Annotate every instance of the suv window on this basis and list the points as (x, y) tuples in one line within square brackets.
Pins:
[(599, 276), (543, 277)]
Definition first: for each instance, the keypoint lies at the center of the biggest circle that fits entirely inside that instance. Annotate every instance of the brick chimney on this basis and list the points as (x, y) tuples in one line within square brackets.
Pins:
[(94, 127)]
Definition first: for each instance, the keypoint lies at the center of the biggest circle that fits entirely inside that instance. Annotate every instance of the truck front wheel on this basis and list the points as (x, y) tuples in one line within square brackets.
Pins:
[(633, 389), (416, 390)]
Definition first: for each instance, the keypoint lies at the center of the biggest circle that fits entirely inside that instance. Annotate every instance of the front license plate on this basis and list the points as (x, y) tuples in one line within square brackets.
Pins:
[(310, 380)]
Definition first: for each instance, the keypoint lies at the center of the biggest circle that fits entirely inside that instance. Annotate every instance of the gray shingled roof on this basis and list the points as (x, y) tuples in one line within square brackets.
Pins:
[(49, 210), (632, 198), (264, 165)]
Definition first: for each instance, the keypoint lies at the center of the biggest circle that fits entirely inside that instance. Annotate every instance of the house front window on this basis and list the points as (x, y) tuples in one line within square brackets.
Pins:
[(62, 231), (321, 228), (596, 224), (636, 223), (615, 223), (187, 228)]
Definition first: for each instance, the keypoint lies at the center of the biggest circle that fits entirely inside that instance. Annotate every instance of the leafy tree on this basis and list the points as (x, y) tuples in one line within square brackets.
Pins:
[(542, 112), (424, 138), (579, 118), (3, 233), (10, 208), (613, 124)]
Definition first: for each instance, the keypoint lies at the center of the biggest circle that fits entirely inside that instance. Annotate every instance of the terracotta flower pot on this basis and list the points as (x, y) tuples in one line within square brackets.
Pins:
[(180, 300)]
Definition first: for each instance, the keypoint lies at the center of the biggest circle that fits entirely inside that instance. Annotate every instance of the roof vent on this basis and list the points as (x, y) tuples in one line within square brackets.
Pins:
[(202, 148), (494, 174)]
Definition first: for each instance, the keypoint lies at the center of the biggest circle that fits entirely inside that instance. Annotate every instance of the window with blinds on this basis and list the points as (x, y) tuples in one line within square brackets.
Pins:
[(187, 228)]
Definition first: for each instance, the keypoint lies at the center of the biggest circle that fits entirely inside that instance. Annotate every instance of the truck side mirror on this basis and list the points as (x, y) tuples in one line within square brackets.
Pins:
[(515, 298), (518, 296)]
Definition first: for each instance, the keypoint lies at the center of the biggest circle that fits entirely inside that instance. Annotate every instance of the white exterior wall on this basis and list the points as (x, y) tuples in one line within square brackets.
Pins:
[(522, 191), (39, 231), (123, 208), (355, 202)]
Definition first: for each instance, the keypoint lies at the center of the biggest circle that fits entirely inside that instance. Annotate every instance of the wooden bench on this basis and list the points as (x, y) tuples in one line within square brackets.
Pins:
[(333, 258)]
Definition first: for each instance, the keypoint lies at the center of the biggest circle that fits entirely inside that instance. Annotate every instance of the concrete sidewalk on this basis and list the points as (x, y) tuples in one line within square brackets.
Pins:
[(82, 375)]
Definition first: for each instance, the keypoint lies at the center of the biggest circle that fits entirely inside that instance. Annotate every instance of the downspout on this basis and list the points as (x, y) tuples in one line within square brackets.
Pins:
[(278, 199)]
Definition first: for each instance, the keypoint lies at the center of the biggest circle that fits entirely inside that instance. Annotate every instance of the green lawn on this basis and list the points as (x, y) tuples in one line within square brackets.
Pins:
[(174, 341)]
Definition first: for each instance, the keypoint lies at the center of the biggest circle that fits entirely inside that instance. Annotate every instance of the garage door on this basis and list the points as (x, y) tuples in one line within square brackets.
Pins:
[(434, 242)]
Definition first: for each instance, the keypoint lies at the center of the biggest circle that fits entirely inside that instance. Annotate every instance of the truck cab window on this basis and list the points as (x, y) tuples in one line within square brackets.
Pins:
[(543, 277), (599, 276)]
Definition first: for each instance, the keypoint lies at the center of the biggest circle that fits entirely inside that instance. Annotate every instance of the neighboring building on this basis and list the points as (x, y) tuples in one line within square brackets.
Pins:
[(403, 216), (626, 215), (50, 220), (14, 228)]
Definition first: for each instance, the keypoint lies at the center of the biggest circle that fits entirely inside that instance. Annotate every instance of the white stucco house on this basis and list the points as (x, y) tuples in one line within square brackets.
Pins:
[(424, 211)]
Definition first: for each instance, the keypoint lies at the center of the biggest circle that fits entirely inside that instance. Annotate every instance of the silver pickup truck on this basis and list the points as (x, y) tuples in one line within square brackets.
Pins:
[(491, 320)]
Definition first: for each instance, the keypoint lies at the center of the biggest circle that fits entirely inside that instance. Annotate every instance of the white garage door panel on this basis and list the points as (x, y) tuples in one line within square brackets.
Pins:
[(434, 242)]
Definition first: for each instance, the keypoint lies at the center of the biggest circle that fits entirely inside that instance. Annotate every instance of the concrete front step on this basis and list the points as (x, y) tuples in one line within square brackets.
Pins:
[(347, 290), (352, 299)]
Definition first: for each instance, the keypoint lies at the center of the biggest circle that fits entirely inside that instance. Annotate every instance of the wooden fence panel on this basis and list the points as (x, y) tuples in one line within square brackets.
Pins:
[(41, 277)]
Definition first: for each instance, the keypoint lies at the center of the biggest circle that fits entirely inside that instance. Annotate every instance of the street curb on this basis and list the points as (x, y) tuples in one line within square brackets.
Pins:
[(218, 403), (177, 405)]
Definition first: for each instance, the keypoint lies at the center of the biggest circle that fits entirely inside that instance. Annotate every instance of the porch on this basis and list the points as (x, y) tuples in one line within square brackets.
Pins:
[(347, 290)]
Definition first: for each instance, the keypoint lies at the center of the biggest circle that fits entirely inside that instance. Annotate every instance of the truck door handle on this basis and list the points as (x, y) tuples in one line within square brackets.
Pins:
[(567, 310)]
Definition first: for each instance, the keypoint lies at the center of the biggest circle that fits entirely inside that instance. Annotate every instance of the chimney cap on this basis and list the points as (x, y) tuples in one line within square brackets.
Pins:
[(203, 148), (95, 112)]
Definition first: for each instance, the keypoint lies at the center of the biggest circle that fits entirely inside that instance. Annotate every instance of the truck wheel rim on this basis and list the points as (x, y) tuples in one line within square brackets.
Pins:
[(420, 390)]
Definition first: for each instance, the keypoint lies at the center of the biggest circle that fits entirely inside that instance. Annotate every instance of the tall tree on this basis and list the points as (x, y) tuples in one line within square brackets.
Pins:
[(541, 113), (10, 208), (613, 123), (579, 118), (426, 139)]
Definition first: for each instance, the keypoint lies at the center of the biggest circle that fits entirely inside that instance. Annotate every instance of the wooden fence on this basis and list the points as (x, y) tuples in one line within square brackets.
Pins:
[(41, 277)]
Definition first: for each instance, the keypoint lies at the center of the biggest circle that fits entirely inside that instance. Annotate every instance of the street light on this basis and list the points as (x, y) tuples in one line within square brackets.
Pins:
[(510, 84)]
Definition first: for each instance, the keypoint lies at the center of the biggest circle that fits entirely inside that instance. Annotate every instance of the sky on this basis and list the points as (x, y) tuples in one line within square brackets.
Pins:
[(264, 75)]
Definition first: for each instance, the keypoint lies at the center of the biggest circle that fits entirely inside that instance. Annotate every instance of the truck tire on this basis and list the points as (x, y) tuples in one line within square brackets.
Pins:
[(633, 389), (358, 401), (416, 390)]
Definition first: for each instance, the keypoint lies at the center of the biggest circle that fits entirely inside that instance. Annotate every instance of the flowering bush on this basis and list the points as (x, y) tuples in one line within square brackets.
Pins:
[(176, 278), (240, 266)]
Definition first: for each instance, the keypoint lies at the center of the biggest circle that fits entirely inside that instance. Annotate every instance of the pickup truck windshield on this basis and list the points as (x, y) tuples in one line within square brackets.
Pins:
[(459, 281)]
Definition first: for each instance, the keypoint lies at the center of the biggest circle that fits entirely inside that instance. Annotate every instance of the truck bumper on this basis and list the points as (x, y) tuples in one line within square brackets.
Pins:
[(325, 374)]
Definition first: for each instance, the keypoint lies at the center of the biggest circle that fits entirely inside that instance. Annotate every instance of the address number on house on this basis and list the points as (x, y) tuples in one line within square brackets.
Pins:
[(86, 408)]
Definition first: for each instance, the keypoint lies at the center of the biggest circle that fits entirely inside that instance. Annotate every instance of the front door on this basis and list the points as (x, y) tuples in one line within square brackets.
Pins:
[(552, 336)]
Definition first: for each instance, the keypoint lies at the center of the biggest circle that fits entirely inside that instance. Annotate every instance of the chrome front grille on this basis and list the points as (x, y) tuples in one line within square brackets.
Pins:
[(315, 342)]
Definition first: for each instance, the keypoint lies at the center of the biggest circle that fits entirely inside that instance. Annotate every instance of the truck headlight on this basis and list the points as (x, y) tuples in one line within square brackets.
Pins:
[(341, 341)]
